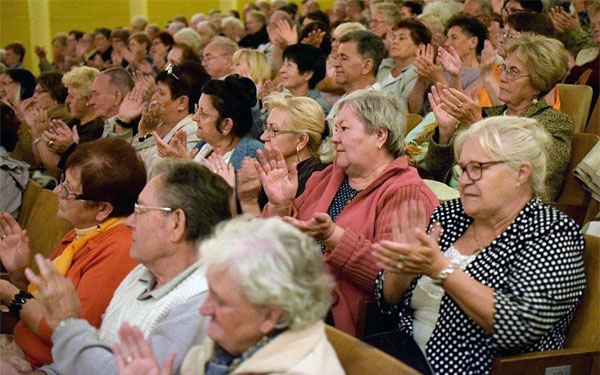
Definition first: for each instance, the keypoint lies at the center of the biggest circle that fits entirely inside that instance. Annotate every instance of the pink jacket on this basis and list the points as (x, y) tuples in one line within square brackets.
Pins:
[(367, 219)]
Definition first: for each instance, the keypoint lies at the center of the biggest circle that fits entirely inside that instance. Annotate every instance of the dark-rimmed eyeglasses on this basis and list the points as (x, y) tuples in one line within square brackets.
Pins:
[(475, 169), (65, 194)]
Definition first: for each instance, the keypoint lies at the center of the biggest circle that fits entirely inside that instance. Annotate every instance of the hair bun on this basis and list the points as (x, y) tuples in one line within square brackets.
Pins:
[(243, 88)]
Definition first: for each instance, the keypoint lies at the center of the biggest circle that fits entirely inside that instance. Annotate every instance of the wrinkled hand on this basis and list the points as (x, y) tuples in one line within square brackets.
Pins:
[(150, 118), (58, 137), (133, 104), (52, 287), (450, 60), (15, 249), (176, 148), (425, 66), (218, 166), (134, 355), (146, 84), (446, 121), (563, 21), (488, 58), (279, 183), (459, 105), (314, 38), (320, 226), (37, 119), (412, 250), (288, 33), (248, 182)]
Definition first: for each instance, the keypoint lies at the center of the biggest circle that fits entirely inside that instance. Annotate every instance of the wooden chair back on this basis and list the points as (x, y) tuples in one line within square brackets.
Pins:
[(575, 100), (28, 201)]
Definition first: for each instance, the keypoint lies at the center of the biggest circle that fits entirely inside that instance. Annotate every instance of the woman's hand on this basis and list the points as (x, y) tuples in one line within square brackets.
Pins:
[(248, 182), (150, 118), (314, 38), (37, 119), (176, 148), (446, 122), (279, 183), (288, 33), (145, 83), (450, 61), (218, 166), (461, 106), (425, 66), (563, 21), (52, 287), (133, 105), (320, 227), (58, 137), (134, 355), (14, 248), (488, 58)]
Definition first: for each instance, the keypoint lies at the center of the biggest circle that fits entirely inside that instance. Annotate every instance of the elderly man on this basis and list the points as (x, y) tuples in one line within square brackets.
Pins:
[(108, 92), (217, 55), (359, 55), (177, 209)]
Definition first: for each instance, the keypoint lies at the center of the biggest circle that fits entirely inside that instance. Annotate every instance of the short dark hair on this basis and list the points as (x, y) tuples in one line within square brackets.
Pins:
[(165, 38), (471, 26), (308, 59), (111, 171), (368, 46), (9, 130), (77, 33), (419, 33), (415, 8), (233, 98), (52, 81), (529, 22), (535, 6), (105, 31), (25, 78), (18, 48), (186, 79), (121, 34), (319, 16), (202, 195)]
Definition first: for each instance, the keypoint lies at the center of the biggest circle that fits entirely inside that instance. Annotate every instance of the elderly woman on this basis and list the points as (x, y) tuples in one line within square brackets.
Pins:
[(368, 180), (57, 142), (170, 111), (97, 192), (533, 65), (161, 44), (492, 278), (296, 126), (268, 294)]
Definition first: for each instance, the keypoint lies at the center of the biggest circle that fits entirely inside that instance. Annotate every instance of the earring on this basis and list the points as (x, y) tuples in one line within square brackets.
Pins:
[(298, 153), (98, 227)]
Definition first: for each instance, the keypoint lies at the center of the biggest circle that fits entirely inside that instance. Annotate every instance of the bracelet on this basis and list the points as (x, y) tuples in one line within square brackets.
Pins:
[(63, 323), (439, 280), (36, 141), (15, 306), (143, 138)]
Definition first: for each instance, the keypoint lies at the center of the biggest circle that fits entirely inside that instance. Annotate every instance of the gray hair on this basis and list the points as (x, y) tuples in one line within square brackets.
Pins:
[(515, 140), (378, 109), (275, 265), (227, 45), (189, 37), (119, 78), (368, 46), (202, 195)]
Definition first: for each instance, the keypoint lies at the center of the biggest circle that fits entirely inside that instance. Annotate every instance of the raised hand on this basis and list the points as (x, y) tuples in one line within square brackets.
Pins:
[(446, 121), (134, 355), (133, 104), (37, 119), (176, 148), (563, 21), (51, 287), (425, 66), (248, 182), (58, 137), (279, 183), (450, 61), (288, 33), (218, 166), (150, 118), (14, 248), (488, 58), (314, 38)]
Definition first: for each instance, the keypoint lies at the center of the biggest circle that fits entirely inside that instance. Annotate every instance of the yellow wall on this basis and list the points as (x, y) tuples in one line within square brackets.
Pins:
[(34, 22)]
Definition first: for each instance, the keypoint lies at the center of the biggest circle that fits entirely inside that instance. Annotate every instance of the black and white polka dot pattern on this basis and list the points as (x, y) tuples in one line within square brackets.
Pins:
[(536, 270)]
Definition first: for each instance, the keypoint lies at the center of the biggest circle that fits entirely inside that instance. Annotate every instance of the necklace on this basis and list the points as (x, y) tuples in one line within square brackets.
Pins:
[(480, 246)]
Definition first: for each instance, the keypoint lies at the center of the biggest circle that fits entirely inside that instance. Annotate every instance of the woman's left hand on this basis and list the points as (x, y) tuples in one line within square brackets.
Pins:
[(52, 287), (320, 227), (176, 148), (134, 355), (218, 166)]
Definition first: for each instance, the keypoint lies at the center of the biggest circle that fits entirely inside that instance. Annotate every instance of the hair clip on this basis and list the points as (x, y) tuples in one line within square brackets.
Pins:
[(169, 70)]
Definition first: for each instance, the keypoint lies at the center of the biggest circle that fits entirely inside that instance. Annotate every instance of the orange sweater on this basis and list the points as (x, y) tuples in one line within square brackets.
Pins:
[(97, 270)]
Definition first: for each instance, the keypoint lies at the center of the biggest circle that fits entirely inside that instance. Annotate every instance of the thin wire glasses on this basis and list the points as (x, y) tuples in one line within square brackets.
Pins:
[(274, 132), (140, 208), (200, 112), (511, 74), (475, 169)]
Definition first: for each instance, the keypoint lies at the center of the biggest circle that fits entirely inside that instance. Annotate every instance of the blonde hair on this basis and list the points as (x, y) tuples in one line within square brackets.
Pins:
[(81, 79), (545, 59), (189, 37), (345, 28), (515, 140), (304, 115), (257, 61), (437, 13), (390, 11)]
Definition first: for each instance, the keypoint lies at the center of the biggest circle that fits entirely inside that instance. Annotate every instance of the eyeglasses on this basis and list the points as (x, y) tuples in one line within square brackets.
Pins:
[(511, 74), (274, 132), (169, 70), (378, 21), (140, 208), (200, 112), (474, 169), (65, 194), (209, 58), (506, 35), (513, 10)]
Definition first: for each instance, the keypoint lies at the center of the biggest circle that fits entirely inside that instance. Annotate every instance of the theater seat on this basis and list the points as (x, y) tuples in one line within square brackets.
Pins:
[(575, 100)]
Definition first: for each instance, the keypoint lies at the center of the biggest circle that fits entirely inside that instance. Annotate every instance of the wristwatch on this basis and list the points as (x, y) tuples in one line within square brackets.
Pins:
[(445, 273)]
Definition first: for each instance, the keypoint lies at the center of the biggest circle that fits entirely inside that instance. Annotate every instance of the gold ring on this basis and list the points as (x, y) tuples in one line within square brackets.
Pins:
[(50, 143), (399, 265), (129, 359), (459, 104), (215, 171)]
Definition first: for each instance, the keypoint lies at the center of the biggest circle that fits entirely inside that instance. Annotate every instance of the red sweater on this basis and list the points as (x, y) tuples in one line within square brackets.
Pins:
[(366, 219), (96, 271)]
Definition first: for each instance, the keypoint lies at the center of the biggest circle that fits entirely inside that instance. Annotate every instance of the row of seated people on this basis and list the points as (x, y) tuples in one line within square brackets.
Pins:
[(367, 174)]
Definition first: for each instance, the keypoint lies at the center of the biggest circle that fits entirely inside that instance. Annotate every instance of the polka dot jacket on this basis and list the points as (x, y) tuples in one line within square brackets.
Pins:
[(536, 271)]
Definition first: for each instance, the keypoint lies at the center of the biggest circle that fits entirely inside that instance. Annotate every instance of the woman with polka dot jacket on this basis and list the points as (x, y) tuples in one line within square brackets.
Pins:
[(509, 275)]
